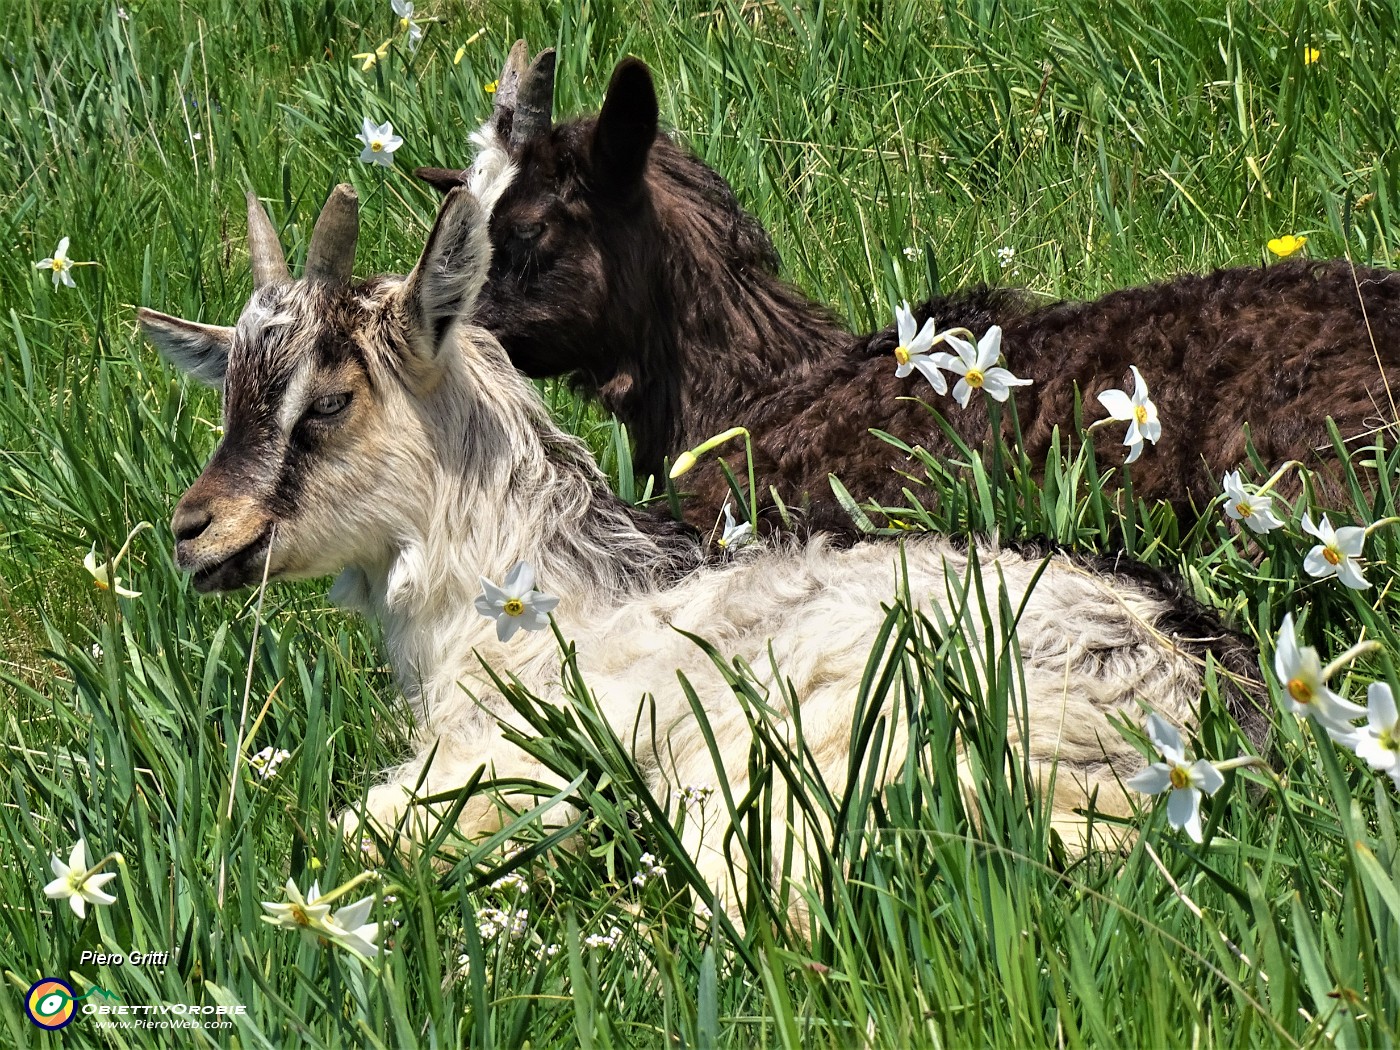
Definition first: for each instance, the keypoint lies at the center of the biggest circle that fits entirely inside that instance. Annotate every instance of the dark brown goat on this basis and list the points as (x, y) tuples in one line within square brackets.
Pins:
[(625, 263)]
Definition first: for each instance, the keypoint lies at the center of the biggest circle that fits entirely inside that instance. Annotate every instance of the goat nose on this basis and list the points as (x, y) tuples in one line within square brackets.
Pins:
[(190, 522)]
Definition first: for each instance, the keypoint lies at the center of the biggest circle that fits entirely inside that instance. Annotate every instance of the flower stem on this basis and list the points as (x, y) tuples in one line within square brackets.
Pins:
[(1278, 476), (341, 891), (112, 565), (1384, 521), (1357, 650)]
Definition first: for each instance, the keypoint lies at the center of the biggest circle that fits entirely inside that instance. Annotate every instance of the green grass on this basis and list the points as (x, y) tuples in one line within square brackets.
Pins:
[(1108, 144)]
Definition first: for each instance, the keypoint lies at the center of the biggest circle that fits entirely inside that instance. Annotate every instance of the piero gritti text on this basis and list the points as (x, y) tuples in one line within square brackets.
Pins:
[(129, 959)]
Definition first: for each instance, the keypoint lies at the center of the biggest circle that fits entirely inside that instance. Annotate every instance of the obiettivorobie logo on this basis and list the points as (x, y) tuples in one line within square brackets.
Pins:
[(51, 1003)]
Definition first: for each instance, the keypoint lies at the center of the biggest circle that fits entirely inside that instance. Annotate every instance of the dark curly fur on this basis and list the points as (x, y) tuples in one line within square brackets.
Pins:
[(625, 263)]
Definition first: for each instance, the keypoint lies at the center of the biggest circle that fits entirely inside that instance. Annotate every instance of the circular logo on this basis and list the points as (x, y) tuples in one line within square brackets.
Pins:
[(49, 1003)]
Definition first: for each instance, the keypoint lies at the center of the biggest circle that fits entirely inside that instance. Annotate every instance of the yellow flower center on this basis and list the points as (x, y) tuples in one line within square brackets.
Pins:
[(376, 146), (299, 914), (1330, 553), (1244, 510), (514, 607), (901, 354), (101, 585), (1389, 741), (975, 378), (404, 23), (58, 264), (1179, 778), (1140, 413), (1300, 690)]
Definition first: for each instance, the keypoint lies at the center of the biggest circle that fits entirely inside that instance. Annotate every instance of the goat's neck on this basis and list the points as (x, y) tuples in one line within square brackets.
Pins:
[(723, 334), (539, 500)]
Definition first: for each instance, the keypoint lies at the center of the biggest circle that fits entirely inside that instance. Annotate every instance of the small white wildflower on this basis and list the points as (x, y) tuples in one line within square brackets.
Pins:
[(1254, 510), (911, 254), (491, 922), (104, 576), (603, 940), (693, 795), (649, 870), (1138, 411), (1300, 670), (121, 13), (513, 881), (977, 366), (380, 143), (1006, 255), (551, 950), (1337, 554), (736, 534), (96, 651), (78, 883), (266, 761), (1186, 782), (59, 264), (912, 350), (516, 603)]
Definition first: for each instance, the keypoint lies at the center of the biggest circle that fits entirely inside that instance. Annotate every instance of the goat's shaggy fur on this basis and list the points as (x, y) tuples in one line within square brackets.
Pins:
[(444, 466), (633, 270)]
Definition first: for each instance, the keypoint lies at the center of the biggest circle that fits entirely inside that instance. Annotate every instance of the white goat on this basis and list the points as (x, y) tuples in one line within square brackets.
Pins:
[(371, 430)]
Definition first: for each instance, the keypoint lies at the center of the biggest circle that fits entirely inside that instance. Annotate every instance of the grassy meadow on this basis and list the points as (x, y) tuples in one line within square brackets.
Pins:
[(890, 148)]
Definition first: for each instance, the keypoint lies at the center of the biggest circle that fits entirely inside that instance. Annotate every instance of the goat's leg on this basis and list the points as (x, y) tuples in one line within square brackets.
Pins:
[(443, 765)]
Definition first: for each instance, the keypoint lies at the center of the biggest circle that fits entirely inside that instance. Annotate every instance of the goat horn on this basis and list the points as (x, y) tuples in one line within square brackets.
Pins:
[(331, 254), (508, 87), (264, 249), (534, 106)]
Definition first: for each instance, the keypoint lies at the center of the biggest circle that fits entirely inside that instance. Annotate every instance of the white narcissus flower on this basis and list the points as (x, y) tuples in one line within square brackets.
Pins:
[(104, 576), (349, 929), (1299, 669), (515, 604), (1378, 741), (1137, 411), (1186, 782), (380, 143), (1337, 554), (77, 882), (976, 366), (1254, 510), (913, 348), (404, 9), (59, 264), (311, 914), (298, 912), (736, 534)]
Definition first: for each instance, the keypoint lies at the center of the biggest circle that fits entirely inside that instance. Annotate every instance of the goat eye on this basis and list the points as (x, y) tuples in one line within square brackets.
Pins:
[(529, 232), (329, 405)]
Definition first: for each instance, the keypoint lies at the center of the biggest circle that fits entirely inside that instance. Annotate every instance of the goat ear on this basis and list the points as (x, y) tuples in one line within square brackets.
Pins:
[(626, 129), (444, 180), (444, 285), (198, 350)]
